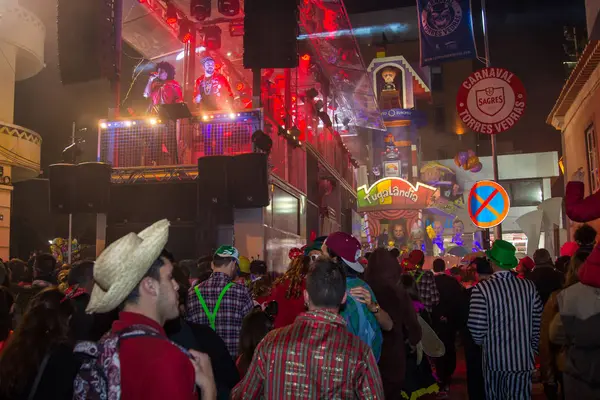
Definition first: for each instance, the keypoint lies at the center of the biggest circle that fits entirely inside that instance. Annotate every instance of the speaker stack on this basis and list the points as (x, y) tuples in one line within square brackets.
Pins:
[(263, 48), (80, 189), (87, 40)]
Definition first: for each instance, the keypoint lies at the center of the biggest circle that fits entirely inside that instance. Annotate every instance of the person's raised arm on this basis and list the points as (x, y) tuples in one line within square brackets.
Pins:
[(578, 207)]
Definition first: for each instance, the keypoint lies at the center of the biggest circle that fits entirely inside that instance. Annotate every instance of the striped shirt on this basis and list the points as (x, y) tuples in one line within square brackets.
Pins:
[(504, 318)]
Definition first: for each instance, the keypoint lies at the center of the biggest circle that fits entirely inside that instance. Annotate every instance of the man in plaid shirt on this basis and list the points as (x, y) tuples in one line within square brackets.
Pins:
[(425, 280), (316, 357), (219, 302)]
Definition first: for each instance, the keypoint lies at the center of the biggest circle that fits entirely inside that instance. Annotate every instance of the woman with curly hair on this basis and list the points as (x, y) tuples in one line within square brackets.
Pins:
[(40, 351), (288, 292)]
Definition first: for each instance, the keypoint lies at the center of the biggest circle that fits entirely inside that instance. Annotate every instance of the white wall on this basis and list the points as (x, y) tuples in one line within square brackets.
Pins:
[(514, 166)]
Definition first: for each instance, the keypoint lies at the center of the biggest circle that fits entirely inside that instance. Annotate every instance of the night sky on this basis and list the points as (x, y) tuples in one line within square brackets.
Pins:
[(43, 104)]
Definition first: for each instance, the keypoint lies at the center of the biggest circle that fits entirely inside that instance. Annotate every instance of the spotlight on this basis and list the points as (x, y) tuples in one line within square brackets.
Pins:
[(205, 117), (236, 28), (128, 124), (262, 142), (200, 9), (306, 57), (229, 8), (153, 121), (103, 125), (311, 93), (186, 31), (212, 37), (232, 116), (171, 14)]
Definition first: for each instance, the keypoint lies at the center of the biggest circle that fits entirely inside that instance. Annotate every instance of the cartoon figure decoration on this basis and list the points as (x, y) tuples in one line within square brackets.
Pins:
[(212, 90), (468, 161), (389, 75), (436, 234), (391, 151), (398, 234), (59, 249), (377, 172), (417, 237), (444, 178), (458, 229)]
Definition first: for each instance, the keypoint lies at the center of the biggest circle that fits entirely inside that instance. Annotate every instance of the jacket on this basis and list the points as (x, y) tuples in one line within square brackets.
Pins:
[(552, 356), (578, 326), (578, 207), (546, 279), (153, 368)]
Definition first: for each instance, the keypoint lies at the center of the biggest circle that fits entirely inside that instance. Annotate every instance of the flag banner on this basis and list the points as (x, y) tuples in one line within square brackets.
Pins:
[(445, 31)]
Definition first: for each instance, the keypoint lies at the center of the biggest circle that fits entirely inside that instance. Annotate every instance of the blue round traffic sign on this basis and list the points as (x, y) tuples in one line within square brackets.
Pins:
[(488, 204)]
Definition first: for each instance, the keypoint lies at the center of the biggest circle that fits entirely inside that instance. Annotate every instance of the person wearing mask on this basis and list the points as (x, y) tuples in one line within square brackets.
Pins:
[(255, 327), (287, 291), (545, 277), (428, 292), (383, 276), (219, 302), (552, 356), (576, 326), (446, 320), (315, 357), (37, 361), (364, 317), (504, 318), (473, 356), (133, 274)]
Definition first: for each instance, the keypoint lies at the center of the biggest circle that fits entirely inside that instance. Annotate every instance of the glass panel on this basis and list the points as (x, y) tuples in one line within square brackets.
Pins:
[(285, 211), (526, 193)]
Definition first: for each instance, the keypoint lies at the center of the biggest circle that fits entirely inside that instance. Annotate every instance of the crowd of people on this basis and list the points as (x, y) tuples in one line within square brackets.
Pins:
[(138, 324)]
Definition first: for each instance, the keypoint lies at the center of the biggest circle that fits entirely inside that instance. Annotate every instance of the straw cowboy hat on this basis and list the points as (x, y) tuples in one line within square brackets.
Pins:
[(123, 265)]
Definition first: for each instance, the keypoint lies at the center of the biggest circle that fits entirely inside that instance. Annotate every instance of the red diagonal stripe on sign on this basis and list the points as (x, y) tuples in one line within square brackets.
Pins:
[(485, 203)]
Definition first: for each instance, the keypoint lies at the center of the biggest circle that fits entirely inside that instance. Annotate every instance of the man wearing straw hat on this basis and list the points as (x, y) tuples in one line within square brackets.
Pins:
[(132, 273), (504, 319)]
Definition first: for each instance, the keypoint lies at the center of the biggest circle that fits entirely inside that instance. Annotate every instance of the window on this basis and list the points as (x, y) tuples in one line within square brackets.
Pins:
[(525, 192), (286, 211), (437, 78), (591, 145)]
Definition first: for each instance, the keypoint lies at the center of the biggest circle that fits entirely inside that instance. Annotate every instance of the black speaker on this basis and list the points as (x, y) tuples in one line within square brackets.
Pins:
[(87, 40), (213, 183), (249, 181), (63, 184), (262, 48), (92, 194)]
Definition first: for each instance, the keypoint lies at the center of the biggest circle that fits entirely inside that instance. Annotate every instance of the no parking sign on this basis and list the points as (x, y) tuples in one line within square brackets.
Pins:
[(488, 204)]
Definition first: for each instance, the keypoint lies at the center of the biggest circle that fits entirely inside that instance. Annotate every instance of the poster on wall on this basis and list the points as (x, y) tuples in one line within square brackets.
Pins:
[(445, 30)]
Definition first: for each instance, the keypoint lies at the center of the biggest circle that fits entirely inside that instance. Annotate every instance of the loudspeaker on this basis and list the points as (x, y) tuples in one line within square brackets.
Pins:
[(262, 48), (87, 40), (92, 194), (62, 186), (249, 180), (213, 183)]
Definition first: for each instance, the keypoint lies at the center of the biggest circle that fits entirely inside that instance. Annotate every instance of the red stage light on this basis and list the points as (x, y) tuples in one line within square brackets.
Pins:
[(186, 38), (186, 31), (306, 57), (171, 14), (239, 87)]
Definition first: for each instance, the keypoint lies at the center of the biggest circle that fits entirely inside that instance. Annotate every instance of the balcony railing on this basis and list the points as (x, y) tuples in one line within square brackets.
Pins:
[(151, 142)]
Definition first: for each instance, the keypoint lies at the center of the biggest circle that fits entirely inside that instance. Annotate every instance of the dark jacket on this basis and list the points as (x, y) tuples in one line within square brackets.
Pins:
[(452, 296), (204, 339), (547, 280), (579, 308), (392, 363)]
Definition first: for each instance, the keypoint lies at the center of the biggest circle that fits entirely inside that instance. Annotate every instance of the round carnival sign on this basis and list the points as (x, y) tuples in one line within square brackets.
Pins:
[(491, 100)]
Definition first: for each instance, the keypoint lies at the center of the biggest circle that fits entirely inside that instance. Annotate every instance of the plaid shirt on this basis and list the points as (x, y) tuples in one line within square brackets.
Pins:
[(235, 305), (428, 292), (314, 358)]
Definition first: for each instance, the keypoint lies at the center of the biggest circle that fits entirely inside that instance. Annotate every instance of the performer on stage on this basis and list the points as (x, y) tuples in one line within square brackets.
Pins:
[(212, 90), (162, 88)]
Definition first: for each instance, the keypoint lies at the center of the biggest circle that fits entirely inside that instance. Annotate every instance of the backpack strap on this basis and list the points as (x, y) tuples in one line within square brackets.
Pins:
[(212, 316)]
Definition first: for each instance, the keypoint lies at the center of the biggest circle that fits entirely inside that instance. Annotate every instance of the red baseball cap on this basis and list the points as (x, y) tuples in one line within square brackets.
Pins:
[(347, 247)]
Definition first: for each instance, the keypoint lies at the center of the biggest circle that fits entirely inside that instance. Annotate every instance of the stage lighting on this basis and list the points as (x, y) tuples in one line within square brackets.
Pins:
[(200, 9), (236, 28), (306, 57), (262, 142), (229, 8), (186, 31), (171, 14), (212, 37)]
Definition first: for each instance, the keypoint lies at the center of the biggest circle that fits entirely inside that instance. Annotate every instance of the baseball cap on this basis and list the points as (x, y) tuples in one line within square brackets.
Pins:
[(347, 247), (228, 252)]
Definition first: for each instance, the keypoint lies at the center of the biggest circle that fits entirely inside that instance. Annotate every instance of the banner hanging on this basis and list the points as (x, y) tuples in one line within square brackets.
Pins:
[(445, 31)]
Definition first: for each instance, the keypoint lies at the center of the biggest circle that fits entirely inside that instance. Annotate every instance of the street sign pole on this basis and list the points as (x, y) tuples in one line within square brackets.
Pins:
[(488, 63)]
